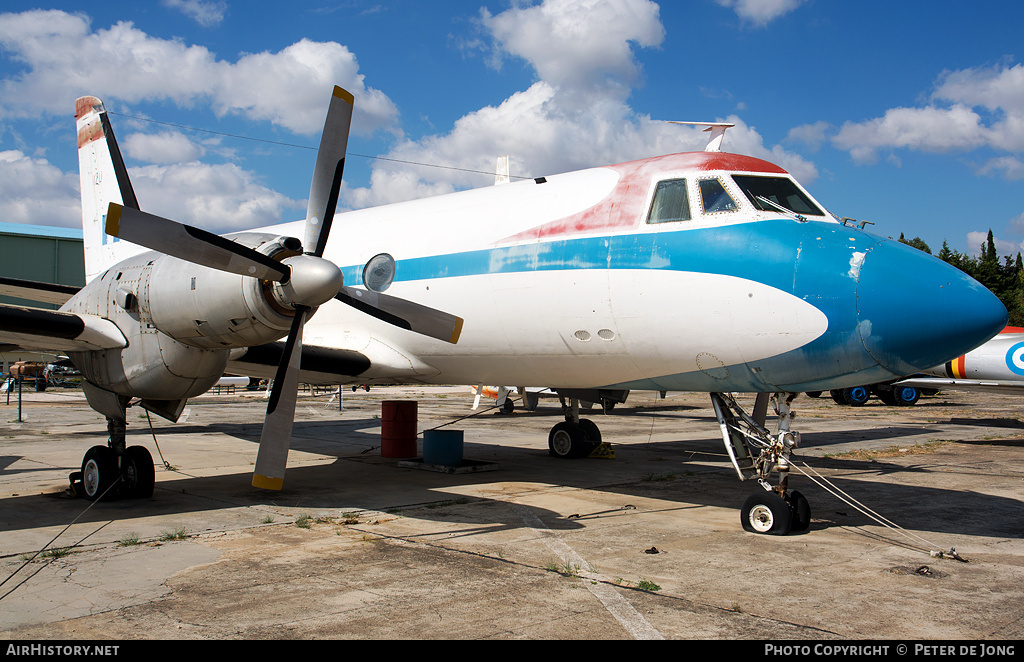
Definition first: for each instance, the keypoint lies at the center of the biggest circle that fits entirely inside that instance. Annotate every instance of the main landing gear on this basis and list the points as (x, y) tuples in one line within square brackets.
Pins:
[(575, 436), (756, 454), (115, 470)]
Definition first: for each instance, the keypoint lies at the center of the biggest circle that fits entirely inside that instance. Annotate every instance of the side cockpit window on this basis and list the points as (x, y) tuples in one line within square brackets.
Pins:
[(770, 193), (714, 198), (671, 202)]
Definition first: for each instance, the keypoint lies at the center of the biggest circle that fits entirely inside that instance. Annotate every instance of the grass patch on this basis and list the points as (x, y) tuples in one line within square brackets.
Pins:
[(269, 519), (56, 553), (565, 569), (304, 521), (179, 533), (647, 585), (129, 540)]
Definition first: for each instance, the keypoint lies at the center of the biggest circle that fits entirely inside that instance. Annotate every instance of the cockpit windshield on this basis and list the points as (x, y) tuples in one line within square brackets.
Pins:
[(780, 190)]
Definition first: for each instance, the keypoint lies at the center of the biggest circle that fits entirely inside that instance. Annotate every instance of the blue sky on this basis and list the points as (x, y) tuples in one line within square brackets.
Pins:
[(906, 114)]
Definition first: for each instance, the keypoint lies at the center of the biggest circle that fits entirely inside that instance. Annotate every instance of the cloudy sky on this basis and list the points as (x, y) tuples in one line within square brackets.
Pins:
[(906, 114)]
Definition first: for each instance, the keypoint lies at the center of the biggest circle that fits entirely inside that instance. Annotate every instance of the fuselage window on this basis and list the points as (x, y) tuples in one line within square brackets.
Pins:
[(779, 190), (713, 197), (671, 202)]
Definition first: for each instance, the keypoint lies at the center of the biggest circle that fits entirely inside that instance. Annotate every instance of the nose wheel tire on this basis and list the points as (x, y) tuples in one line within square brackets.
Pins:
[(766, 513)]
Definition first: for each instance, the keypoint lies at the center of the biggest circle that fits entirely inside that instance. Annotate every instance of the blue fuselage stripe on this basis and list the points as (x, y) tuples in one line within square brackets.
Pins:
[(767, 252)]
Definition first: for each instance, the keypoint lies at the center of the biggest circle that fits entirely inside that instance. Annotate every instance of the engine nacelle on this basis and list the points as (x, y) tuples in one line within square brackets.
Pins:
[(212, 309), (181, 321)]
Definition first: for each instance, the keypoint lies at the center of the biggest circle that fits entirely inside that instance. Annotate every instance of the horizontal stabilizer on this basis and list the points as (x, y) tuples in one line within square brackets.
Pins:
[(35, 291)]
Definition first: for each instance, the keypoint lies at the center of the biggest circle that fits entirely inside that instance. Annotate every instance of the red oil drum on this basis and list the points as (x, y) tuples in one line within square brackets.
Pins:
[(398, 428)]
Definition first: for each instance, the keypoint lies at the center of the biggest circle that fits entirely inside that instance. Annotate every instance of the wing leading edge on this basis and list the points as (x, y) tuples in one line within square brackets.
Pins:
[(38, 329)]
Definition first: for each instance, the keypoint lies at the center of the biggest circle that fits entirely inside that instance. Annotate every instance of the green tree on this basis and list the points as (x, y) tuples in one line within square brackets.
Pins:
[(1004, 279), (917, 243)]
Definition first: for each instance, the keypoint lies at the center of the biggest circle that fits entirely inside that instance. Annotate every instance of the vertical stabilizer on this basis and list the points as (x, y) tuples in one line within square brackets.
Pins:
[(104, 179)]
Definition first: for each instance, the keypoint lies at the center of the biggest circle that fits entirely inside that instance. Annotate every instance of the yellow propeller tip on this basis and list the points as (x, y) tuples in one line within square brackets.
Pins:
[(113, 224), (457, 331), (345, 95), (267, 482)]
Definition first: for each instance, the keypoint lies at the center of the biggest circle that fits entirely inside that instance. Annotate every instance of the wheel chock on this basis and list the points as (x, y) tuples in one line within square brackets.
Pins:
[(604, 450)]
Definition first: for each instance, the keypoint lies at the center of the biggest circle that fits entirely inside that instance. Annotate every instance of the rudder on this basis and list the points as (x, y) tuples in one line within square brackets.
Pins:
[(104, 179)]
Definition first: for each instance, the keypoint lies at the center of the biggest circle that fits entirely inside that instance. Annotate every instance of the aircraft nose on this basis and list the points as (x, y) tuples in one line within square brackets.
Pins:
[(914, 311)]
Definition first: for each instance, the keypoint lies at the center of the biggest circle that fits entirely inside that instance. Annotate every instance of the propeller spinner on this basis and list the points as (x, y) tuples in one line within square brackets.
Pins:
[(303, 282)]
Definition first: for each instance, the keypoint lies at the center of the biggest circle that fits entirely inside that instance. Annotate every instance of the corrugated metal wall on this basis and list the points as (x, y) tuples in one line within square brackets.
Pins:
[(35, 252)]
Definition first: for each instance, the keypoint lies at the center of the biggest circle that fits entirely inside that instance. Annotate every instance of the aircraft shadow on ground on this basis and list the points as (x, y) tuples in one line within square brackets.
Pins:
[(686, 478)]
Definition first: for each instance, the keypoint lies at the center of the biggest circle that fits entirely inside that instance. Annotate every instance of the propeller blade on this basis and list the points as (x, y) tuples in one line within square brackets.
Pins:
[(330, 163), (404, 313), (191, 244), (272, 457)]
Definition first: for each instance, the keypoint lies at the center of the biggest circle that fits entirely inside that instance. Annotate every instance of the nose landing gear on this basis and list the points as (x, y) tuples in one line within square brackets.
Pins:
[(756, 453)]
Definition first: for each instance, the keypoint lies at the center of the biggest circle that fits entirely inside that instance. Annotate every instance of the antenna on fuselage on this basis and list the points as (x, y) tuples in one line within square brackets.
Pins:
[(502, 174), (717, 130)]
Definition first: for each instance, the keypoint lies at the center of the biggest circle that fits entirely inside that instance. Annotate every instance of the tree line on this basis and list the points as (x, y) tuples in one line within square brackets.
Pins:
[(1005, 278)]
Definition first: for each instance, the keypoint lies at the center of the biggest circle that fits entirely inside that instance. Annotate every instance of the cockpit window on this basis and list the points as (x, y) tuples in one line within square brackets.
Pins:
[(780, 190), (671, 202), (714, 198)]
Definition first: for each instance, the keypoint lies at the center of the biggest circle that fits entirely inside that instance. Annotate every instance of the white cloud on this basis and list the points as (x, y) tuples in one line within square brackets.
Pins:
[(760, 12), (928, 129), (575, 116), (204, 12), (165, 147), (976, 242), (290, 88), (812, 135), (579, 43), (1016, 224), (220, 198), (36, 191), (1011, 168), (969, 109)]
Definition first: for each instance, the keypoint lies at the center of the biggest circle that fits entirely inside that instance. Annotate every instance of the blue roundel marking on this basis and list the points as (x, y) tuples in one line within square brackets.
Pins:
[(1015, 359)]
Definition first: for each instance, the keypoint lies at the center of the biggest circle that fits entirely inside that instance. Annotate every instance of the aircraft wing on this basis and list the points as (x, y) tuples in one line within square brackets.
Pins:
[(319, 365), (35, 291), (38, 329), (976, 385)]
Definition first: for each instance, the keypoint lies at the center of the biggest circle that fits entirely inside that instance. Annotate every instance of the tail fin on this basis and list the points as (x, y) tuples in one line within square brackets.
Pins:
[(104, 179)]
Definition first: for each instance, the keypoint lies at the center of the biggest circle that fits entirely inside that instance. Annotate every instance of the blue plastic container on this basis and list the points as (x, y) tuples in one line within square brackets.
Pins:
[(442, 447)]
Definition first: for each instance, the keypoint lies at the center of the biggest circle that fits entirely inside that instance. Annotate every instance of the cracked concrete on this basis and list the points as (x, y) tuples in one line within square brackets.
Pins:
[(536, 549)]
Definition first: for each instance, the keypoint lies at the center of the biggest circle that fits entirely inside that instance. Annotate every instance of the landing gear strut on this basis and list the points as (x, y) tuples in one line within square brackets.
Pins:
[(115, 470), (575, 436), (756, 454)]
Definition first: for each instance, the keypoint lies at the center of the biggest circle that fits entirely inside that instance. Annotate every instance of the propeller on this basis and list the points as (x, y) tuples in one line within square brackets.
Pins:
[(305, 281), (272, 457)]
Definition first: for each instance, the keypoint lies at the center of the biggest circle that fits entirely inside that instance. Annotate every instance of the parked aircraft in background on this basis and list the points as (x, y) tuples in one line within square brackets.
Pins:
[(703, 271), (997, 366), (529, 397)]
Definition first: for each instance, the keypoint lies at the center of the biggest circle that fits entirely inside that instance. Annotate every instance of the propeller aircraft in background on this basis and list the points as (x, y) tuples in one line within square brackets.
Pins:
[(702, 271)]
